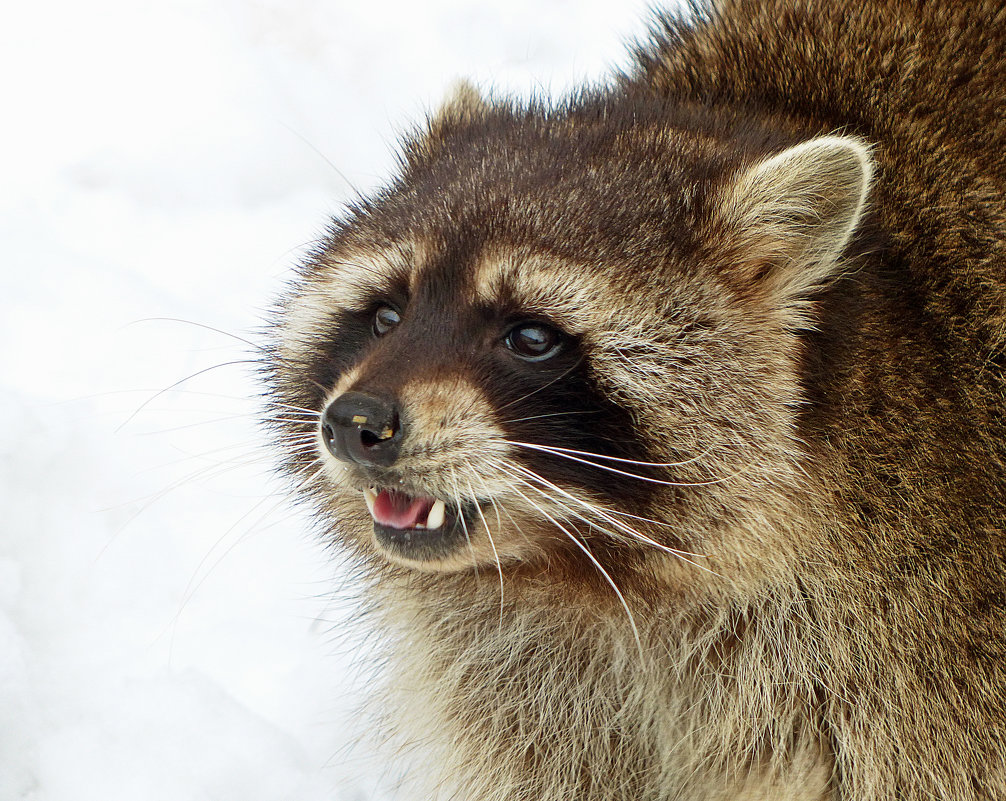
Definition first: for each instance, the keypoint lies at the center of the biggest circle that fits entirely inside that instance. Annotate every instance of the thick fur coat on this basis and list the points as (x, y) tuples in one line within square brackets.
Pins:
[(706, 372)]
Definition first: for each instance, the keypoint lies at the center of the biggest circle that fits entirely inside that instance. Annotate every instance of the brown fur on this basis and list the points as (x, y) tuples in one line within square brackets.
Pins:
[(776, 252)]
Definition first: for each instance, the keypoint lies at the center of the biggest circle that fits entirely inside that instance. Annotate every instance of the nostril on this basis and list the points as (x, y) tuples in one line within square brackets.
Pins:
[(330, 437), (372, 436), (328, 433)]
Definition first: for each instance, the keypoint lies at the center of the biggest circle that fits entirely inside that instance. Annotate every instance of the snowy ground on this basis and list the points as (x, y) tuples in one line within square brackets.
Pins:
[(168, 627)]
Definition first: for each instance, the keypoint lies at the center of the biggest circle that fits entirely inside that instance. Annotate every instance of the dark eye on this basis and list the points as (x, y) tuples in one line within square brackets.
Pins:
[(385, 318), (534, 342)]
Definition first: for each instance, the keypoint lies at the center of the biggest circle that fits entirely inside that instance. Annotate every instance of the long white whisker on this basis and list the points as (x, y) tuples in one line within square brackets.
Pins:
[(185, 427), (600, 568), (292, 411), (605, 515), (193, 585), (300, 422), (307, 447), (498, 509), (178, 383), (550, 414), (492, 543), (559, 377), (192, 588), (464, 526), (563, 451), (546, 449), (312, 412), (248, 342), (602, 512), (299, 436)]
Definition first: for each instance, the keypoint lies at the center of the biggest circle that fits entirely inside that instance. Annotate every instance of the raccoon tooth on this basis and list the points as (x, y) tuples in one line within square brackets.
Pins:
[(435, 518), (369, 496)]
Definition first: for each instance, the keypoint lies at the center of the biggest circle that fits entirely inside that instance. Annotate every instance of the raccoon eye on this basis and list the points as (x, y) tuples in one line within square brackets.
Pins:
[(534, 342), (385, 318)]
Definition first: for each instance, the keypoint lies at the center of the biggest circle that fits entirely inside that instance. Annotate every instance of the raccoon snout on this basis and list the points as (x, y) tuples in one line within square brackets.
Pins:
[(362, 428)]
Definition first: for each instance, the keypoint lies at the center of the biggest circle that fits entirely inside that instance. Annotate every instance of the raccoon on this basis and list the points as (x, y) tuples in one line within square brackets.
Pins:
[(665, 422)]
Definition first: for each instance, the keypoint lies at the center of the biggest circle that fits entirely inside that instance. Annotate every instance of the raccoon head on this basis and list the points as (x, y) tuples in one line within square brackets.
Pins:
[(567, 337)]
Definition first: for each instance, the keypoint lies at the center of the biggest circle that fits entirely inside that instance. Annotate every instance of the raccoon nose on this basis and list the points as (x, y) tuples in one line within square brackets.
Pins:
[(362, 428)]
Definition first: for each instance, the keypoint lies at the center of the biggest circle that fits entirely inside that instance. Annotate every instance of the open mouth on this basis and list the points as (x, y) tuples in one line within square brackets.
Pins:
[(395, 509), (415, 527)]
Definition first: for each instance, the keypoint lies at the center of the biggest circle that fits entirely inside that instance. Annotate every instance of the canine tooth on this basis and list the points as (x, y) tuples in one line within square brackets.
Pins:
[(369, 496), (435, 519)]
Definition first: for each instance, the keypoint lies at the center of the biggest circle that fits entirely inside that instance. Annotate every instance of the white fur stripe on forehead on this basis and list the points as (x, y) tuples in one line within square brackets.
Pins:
[(349, 280), (353, 278), (563, 292)]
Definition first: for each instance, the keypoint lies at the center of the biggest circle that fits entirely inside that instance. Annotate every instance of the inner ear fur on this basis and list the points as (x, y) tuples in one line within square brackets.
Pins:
[(792, 214)]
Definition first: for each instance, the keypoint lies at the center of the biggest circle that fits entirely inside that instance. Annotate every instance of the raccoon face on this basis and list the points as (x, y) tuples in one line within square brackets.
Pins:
[(458, 405), (561, 340)]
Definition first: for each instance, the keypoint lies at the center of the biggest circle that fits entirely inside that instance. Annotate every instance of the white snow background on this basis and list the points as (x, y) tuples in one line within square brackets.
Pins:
[(170, 628)]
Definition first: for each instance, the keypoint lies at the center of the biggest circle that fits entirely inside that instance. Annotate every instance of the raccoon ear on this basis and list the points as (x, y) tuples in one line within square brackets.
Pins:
[(462, 103), (794, 213)]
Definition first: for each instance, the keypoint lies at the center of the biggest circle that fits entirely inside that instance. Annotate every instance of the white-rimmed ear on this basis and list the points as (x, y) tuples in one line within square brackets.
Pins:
[(461, 104), (793, 214)]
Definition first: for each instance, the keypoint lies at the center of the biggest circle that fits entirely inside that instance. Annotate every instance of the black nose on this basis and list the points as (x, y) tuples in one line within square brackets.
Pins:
[(362, 428)]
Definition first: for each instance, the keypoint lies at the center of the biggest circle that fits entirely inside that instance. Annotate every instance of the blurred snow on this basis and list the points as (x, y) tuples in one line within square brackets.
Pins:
[(169, 628)]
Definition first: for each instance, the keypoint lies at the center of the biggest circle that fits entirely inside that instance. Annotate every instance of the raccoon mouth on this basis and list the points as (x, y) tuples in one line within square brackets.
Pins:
[(416, 528), (393, 509)]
